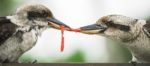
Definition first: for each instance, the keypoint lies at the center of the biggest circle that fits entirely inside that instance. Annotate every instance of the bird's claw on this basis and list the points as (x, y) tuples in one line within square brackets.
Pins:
[(133, 62), (33, 62)]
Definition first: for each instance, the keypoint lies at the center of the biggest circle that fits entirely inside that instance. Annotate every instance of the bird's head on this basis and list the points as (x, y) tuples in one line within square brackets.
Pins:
[(36, 15), (116, 27)]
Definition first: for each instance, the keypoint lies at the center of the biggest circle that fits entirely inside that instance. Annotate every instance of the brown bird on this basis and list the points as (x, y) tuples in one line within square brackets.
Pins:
[(133, 33), (19, 32)]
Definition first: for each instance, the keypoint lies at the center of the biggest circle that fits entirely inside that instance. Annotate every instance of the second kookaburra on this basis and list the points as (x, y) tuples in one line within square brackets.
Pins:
[(133, 33), (19, 32)]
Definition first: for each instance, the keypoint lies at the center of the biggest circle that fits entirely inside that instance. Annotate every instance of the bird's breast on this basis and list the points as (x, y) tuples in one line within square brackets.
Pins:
[(16, 45), (29, 40), (141, 50)]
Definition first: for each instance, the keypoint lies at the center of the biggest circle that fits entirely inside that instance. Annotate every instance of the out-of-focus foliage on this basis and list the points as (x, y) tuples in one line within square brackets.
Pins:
[(6, 6), (76, 57)]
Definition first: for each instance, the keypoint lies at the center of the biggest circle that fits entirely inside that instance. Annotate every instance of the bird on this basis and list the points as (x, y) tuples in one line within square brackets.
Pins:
[(132, 33), (19, 32)]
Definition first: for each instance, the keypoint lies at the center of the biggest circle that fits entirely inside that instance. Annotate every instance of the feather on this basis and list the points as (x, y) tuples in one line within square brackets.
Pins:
[(7, 29)]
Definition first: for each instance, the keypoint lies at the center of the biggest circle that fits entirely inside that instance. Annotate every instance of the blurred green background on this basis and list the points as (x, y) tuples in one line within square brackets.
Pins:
[(106, 50)]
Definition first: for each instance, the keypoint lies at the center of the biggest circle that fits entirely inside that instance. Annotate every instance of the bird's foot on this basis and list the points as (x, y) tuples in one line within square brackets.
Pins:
[(134, 63), (33, 62)]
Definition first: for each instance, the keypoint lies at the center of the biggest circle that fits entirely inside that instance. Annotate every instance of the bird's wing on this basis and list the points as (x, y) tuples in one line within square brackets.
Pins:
[(7, 29), (146, 28)]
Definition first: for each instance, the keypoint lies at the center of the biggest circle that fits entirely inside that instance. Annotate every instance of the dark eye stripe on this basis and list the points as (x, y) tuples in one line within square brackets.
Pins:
[(33, 15), (123, 28), (118, 26)]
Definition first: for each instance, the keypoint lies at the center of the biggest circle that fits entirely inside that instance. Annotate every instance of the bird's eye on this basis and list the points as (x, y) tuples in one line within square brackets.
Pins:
[(123, 28), (45, 14), (33, 15)]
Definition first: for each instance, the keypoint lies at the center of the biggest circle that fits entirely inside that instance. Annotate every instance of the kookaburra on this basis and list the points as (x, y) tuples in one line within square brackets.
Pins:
[(19, 32), (134, 34)]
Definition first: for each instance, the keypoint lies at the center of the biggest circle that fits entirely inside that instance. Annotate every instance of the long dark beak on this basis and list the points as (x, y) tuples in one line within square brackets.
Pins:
[(93, 29), (52, 22)]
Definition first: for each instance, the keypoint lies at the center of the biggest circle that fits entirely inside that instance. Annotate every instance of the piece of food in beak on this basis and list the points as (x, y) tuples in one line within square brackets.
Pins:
[(52, 22), (93, 29), (75, 30)]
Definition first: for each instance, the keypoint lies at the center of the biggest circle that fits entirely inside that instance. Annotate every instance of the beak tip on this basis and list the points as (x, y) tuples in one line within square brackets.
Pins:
[(91, 29), (56, 23), (68, 28), (81, 28)]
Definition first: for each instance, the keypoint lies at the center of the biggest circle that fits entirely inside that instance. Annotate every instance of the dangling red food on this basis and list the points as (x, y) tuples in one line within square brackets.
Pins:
[(62, 28), (75, 30), (62, 38)]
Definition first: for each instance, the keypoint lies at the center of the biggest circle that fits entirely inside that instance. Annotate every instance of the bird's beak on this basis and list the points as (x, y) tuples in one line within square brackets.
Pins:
[(93, 29), (52, 22)]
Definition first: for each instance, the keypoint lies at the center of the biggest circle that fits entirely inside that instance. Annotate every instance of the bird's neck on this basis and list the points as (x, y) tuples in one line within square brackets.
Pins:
[(36, 29), (140, 40)]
